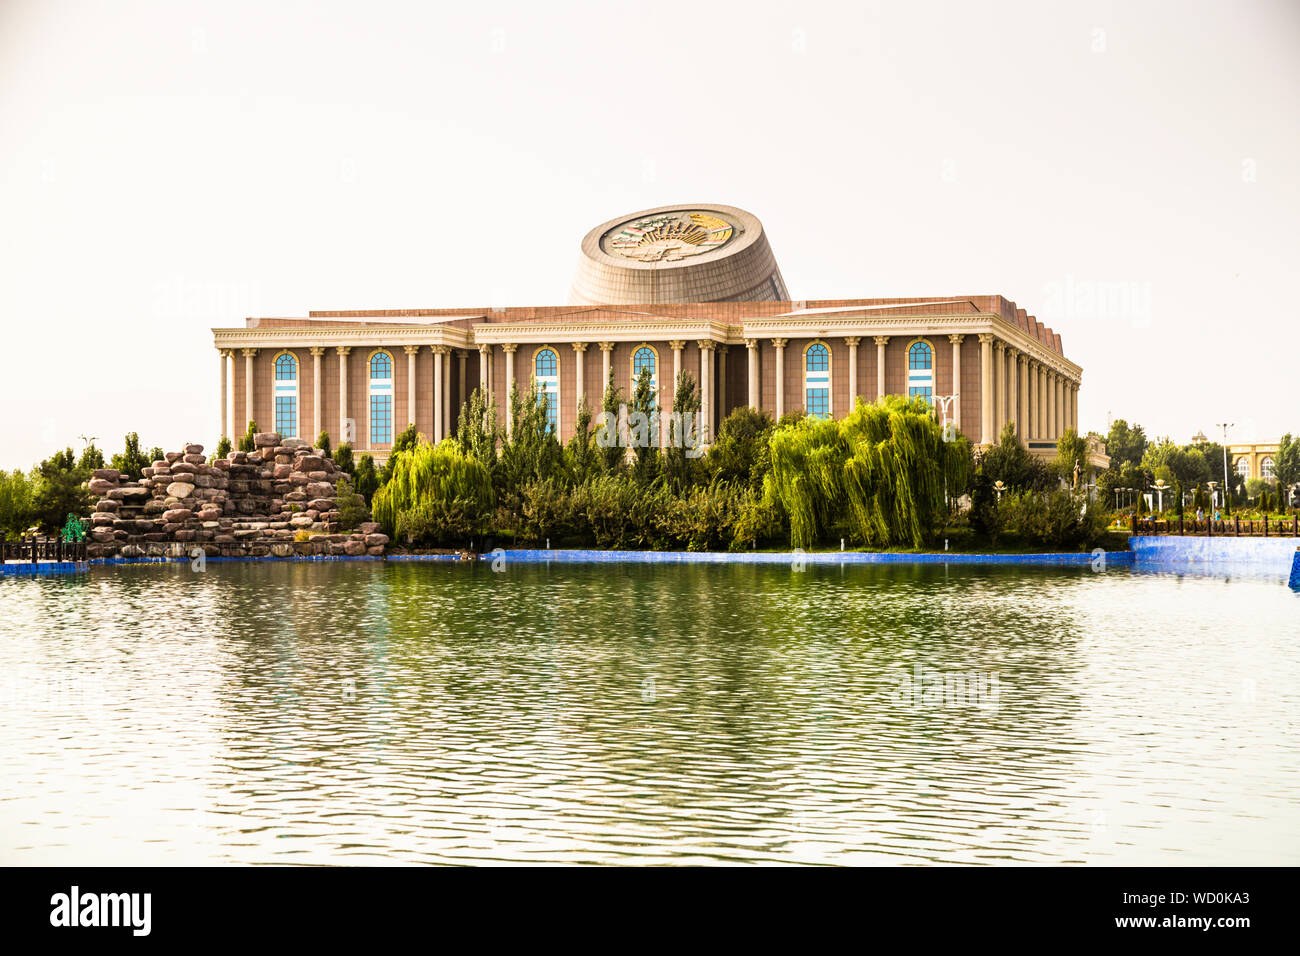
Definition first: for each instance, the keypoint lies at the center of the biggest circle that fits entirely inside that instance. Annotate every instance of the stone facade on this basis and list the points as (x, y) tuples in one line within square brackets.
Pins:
[(279, 500)]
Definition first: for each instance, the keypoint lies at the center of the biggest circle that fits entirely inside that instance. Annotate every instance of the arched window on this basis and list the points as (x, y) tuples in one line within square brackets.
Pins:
[(286, 395), (381, 399), (645, 358), (546, 372), (1266, 468), (817, 380), (1243, 466), (920, 371)]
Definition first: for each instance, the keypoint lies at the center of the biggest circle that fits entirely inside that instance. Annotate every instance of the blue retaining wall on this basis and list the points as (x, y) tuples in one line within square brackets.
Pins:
[(1271, 554), (18, 568), (1085, 559)]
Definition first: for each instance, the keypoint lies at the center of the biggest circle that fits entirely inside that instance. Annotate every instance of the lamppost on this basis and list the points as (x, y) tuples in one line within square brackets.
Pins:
[(1160, 492), (999, 486), (1227, 485)]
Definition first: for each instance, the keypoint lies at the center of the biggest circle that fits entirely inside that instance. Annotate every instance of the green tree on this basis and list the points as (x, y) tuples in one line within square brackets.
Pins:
[(60, 491), (1071, 452), (406, 439), (740, 455), (91, 459), (1125, 444), (343, 458), (681, 459), (580, 454), (323, 443), (132, 462), (246, 443), (366, 481), (477, 431), (1286, 465), (530, 452), (17, 504), (1010, 462), (223, 448), (607, 435), (644, 430)]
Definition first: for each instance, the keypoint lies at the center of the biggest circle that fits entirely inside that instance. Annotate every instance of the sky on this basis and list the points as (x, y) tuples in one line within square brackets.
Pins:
[(1128, 172)]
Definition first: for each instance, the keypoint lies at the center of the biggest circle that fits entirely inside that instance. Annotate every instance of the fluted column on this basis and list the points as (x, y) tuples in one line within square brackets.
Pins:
[(881, 342), (579, 383), (223, 361), (1022, 409), (986, 388), (484, 370), (1013, 404), (437, 393), (1060, 406), (317, 393), (752, 346), (249, 377), (446, 391), (411, 351), (462, 392), (706, 388), (677, 345), (956, 341), (779, 344), (345, 434), (1040, 415), (1051, 406), (999, 388), (605, 349), (1074, 406), (509, 349), (852, 341), (720, 382)]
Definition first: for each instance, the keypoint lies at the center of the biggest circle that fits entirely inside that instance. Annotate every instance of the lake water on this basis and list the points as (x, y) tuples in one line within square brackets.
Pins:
[(418, 713)]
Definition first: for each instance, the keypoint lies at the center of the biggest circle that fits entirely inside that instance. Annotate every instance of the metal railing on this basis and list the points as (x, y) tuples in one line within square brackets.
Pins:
[(35, 550), (1232, 527)]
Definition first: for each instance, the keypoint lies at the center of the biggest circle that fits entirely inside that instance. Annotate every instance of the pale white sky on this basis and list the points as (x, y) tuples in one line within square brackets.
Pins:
[(1129, 172)]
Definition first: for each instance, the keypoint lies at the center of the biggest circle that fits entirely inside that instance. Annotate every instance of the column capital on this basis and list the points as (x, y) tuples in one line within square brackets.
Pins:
[(677, 344), (956, 339), (606, 346), (317, 350), (225, 353), (721, 348), (446, 349), (509, 347), (751, 344), (852, 341), (485, 349), (248, 353), (343, 349), (986, 338), (579, 346), (705, 344), (881, 339), (999, 345), (780, 343), (411, 349)]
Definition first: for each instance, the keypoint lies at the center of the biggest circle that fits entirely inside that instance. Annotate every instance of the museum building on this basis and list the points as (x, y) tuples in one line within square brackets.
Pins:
[(678, 288)]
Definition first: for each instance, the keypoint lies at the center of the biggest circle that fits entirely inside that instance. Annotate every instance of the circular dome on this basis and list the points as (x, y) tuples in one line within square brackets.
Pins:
[(697, 253)]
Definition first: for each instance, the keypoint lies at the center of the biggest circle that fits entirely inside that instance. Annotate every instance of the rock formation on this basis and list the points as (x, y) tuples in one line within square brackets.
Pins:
[(281, 500)]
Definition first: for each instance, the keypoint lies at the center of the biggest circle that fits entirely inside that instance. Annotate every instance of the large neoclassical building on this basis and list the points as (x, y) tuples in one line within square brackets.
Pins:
[(677, 288)]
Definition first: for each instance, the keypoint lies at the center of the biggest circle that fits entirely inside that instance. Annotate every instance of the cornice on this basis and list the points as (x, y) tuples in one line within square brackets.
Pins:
[(388, 336)]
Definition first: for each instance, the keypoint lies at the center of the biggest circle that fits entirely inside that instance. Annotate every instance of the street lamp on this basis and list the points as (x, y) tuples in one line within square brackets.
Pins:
[(1227, 485), (1160, 491), (999, 486)]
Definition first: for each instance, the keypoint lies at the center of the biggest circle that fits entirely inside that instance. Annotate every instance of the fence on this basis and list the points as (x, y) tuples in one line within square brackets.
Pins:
[(1224, 527), (35, 550)]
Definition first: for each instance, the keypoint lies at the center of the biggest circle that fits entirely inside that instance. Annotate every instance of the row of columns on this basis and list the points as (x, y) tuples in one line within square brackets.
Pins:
[(442, 399), (1015, 387)]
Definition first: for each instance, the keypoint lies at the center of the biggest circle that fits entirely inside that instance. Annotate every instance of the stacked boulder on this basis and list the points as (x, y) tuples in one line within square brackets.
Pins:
[(279, 500)]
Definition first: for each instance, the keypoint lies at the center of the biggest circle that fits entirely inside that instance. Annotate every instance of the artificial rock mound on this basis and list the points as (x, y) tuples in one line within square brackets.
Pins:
[(281, 500)]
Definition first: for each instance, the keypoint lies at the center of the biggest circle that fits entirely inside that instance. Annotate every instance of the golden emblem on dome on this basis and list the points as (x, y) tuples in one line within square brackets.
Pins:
[(668, 237)]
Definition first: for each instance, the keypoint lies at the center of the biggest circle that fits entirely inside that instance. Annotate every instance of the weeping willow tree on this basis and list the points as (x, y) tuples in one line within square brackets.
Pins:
[(428, 476), (884, 470)]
